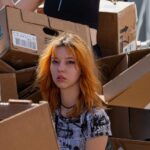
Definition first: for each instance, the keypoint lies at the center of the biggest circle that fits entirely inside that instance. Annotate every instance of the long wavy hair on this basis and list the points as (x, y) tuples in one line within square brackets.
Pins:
[(89, 83)]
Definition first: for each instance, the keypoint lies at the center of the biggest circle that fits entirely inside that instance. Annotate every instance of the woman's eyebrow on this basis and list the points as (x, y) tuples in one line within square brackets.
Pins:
[(53, 57), (70, 57)]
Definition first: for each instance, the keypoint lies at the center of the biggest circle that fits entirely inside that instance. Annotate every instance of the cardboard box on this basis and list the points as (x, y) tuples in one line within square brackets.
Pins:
[(35, 96), (120, 121), (19, 79), (25, 78), (128, 144), (139, 124), (5, 68), (124, 87), (135, 95), (32, 92), (8, 86), (111, 66), (24, 35), (61, 25), (26, 126), (133, 68), (117, 27)]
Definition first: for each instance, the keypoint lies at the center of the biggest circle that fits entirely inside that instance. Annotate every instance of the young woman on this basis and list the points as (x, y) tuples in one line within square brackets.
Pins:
[(68, 79)]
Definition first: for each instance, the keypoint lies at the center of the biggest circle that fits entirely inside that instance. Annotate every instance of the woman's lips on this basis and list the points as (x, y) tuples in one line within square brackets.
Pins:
[(61, 78)]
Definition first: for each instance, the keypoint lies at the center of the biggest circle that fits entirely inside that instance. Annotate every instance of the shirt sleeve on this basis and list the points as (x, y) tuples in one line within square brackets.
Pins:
[(98, 124)]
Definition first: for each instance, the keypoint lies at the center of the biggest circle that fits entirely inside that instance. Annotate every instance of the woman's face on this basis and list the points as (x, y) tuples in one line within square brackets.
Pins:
[(64, 69)]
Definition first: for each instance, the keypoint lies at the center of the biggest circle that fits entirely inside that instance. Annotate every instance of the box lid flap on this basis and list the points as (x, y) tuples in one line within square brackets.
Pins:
[(135, 96), (108, 6), (126, 78), (5, 68), (111, 66), (28, 17)]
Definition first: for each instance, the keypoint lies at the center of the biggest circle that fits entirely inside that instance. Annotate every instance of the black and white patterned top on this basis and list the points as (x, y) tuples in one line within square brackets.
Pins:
[(72, 133)]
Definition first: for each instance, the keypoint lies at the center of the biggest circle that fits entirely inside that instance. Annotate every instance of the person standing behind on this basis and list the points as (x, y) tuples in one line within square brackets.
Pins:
[(79, 11), (68, 80)]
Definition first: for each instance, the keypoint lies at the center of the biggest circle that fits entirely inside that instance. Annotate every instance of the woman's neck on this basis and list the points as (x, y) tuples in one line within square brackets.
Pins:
[(69, 97)]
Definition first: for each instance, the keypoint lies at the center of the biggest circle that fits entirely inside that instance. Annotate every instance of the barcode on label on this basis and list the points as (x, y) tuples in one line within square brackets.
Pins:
[(24, 40)]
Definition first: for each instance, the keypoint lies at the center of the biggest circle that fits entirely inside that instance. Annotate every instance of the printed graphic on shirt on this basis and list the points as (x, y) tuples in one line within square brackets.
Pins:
[(73, 133)]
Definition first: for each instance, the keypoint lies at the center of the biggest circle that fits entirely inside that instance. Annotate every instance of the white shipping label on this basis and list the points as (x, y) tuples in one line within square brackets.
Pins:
[(24, 40), (130, 47)]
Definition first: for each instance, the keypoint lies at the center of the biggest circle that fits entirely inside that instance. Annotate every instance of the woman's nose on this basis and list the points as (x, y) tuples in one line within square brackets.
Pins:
[(61, 66)]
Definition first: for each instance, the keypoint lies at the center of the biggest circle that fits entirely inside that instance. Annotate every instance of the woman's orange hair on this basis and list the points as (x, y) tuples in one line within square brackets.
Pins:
[(90, 86)]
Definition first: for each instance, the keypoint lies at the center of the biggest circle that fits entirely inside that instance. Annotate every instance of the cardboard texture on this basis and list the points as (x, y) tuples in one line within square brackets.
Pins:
[(15, 56), (5, 68), (23, 78), (111, 66), (32, 92), (136, 75), (82, 30), (120, 122), (30, 128), (8, 86), (135, 56), (136, 95), (24, 35), (117, 27), (128, 144), (35, 96), (140, 124)]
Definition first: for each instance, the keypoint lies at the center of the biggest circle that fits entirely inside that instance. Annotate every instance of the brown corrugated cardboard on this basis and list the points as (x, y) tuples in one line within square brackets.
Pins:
[(30, 128), (32, 92), (5, 68), (82, 30), (24, 35), (135, 75), (136, 95), (128, 144), (12, 107), (140, 124), (36, 96), (8, 86), (117, 27), (135, 56), (13, 30), (120, 121), (25, 77), (111, 66)]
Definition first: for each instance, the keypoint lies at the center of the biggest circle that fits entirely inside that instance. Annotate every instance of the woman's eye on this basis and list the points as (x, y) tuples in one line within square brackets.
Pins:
[(54, 61), (70, 62)]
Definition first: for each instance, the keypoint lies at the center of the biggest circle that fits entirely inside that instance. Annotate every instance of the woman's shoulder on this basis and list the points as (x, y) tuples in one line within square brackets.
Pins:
[(97, 112), (97, 123)]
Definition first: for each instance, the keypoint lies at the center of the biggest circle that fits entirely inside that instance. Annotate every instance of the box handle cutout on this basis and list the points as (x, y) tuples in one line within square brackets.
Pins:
[(51, 32)]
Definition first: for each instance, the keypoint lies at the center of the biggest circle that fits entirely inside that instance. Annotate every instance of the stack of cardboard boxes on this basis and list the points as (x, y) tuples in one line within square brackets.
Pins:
[(23, 37), (126, 92), (125, 75)]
